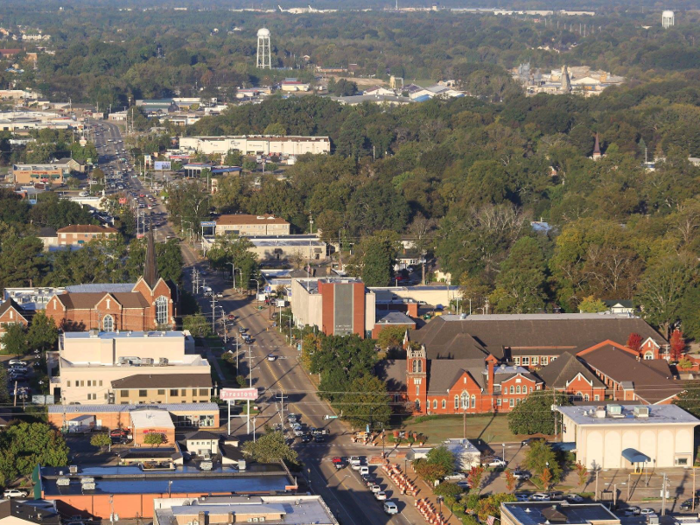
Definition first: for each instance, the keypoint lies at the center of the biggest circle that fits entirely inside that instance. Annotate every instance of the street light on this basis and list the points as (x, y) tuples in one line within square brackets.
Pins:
[(504, 452), (257, 287), (233, 274)]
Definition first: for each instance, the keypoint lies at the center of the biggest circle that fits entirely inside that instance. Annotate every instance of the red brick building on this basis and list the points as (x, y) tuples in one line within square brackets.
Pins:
[(10, 313), (343, 307), (78, 234), (477, 364), (150, 305)]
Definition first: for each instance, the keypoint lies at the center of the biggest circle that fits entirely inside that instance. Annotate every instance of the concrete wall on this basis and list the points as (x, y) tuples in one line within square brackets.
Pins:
[(306, 307), (432, 295)]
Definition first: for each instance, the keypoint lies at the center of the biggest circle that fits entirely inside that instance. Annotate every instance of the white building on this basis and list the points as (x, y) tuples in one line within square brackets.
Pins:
[(257, 145), (668, 19), (616, 436)]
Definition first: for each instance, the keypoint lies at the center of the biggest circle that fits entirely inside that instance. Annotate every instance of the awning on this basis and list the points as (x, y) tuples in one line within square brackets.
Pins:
[(635, 456)]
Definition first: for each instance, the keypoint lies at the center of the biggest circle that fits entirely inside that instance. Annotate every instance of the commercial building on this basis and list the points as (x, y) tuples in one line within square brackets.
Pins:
[(282, 510), (79, 234), (251, 225), (337, 306), (624, 436), (13, 512), (541, 512), (130, 368), (97, 492), (294, 85), (182, 415), (257, 144), (29, 174)]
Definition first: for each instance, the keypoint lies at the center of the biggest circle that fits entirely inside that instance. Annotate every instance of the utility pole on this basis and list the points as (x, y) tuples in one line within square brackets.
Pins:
[(213, 312), (694, 493), (596, 484), (281, 397), (250, 379), (629, 482), (663, 496)]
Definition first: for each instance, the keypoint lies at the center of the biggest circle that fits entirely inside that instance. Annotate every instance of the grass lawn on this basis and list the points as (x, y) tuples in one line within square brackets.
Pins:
[(487, 427)]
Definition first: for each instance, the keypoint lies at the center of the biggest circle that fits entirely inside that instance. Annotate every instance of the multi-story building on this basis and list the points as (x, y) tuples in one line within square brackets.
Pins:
[(251, 225), (79, 234), (130, 368), (30, 174), (257, 145), (11, 313)]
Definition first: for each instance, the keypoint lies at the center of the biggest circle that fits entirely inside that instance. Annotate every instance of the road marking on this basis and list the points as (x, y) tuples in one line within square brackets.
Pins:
[(333, 493)]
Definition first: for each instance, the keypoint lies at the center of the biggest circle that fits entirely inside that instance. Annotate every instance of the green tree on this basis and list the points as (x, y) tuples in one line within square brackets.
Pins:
[(366, 403), (101, 440), (270, 448), (275, 128), (234, 249), (4, 394), (375, 259), (233, 158), (441, 457), (154, 438), (250, 165), (391, 337), (491, 505), (591, 305), (23, 445), (689, 399), (42, 334), (520, 286), (14, 340), (534, 415), (540, 458), (197, 325), (98, 175)]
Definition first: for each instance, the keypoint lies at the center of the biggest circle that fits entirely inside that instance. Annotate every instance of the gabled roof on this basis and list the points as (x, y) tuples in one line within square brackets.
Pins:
[(203, 435), (10, 303), (86, 301), (46, 231), (87, 228), (653, 380), (561, 371), (241, 218), (21, 511), (444, 373)]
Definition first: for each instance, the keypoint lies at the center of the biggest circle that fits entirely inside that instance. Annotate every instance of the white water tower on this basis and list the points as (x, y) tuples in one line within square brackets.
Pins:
[(668, 19), (264, 55)]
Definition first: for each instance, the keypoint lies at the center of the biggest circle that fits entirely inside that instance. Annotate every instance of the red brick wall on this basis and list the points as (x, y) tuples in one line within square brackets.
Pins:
[(327, 305), (358, 306), (580, 386)]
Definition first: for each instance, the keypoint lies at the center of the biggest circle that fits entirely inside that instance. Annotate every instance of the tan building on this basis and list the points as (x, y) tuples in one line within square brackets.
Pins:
[(26, 174), (130, 368), (561, 513), (78, 234), (257, 144), (630, 436), (251, 225)]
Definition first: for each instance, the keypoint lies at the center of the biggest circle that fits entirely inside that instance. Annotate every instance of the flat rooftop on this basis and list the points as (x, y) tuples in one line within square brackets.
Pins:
[(123, 335), (183, 480), (658, 415), (97, 409), (292, 509), (311, 285), (535, 317), (531, 513)]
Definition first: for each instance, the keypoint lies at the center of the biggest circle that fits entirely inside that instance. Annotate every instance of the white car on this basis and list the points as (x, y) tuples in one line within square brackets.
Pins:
[(271, 357), (14, 493), (575, 498), (539, 496), (380, 496), (455, 476), (355, 462), (375, 489), (632, 511), (390, 507), (496, 462), (647, 512), (364, 470)]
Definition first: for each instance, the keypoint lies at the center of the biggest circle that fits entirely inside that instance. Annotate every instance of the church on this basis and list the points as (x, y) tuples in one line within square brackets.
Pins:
[(148, 304)]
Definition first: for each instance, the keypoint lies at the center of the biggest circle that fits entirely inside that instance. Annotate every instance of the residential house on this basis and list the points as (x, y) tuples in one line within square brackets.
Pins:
[(14, 512), (12, 313), (202, 443), (623, 306), (294, 85)]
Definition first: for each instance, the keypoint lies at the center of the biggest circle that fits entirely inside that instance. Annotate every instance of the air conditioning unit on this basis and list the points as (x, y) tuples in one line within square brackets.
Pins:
[(83, 481), (73, 469), (63, 482), (88, 486), (641, 411), (162, 361)]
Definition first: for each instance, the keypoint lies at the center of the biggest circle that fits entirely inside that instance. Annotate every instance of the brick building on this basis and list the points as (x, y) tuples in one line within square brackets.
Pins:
[(490, 363), (11, 313), (150, 304), (251, 225), (79, 234)]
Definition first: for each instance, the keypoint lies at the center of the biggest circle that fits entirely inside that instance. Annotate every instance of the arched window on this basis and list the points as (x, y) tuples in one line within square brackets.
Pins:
[(444, 404), (517, 389), (415, 366), (586, 398), (648, 356), (465, 400), (162, 310), (473, 401), (434, 404), (456, 402), (512, 389), (108, 324)]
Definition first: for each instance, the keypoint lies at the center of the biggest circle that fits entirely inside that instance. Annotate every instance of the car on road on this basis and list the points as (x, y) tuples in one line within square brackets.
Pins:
[(298, 432), (14, 493), (271, 357), (292, 418), (574, 498), (355, 462), (529, 441), (306, 438), (539, 496), (631, 511), (375, 488), (16, 362), (647, 512), (390, 507), (522, 496), (364, 470), (319, 438), (338, 463), (496, 462), (242, 329), (380, 496), (464, 484)]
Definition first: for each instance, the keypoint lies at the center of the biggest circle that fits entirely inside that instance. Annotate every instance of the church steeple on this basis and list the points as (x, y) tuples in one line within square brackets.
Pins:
[(596, 148), (150, 273)]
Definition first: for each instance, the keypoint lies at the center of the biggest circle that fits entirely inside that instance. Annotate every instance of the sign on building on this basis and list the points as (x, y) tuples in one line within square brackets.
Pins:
[(245, 394), (162, 165)]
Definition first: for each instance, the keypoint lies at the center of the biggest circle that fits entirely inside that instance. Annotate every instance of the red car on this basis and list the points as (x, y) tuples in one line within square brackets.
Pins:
[(338, 463)]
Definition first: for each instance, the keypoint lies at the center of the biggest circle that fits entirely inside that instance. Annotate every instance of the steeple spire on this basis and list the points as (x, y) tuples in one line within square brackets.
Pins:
[(150, 273), (596, 148)]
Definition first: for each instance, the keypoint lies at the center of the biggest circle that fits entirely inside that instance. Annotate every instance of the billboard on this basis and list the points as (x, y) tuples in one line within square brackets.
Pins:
[(162, 165), (207, 224), (231, 394)]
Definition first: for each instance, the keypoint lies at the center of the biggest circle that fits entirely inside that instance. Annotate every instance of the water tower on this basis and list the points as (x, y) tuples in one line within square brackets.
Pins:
[(264, 56), (668, 19)]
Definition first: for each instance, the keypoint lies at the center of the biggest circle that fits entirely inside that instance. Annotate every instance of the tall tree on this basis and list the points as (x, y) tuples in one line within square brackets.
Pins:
[(520, 287), (375, 259), (14, 340), (42, 334), (269, 448)]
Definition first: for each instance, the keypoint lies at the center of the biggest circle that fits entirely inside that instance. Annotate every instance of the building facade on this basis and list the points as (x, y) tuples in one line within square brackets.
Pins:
[(251, 225), (79, 234), (257, 145)]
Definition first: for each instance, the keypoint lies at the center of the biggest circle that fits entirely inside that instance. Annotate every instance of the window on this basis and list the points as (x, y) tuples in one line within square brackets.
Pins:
[(456, 402), (89, 383), (183, 392), (143, 393), (124, 393), (100, 382), (444, 404), (162, 310), (526, 361), (68, 384), (596, 397), (648, 356), (161, 392), (465, 400), (203, 391), (535, 360), (681, 461), (512, 389), (434, 404), (108, 323), (173, 392), (517, 389), (545, 359), (418, 389), (498, 402), (473, 401), (516, 360), (586, 397), (512, 402)]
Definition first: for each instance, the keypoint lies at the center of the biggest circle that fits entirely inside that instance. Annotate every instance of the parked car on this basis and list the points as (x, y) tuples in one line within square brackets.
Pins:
[(355, 462), (375, 488), (688, 504), (464, 484), (521, 474), (574, 498), (390, 507), (556, 495), (338, 463), (380, 496), (306, 438), (539, 496), (14, 493), (16, 362), (298, 432), (527, 442), (455, 476), (319, 438), (632, 511), (364, 470), (496, 462), (647, 512), (522, 496)]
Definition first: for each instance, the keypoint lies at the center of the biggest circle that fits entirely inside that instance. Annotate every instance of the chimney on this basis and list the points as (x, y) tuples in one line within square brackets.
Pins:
[(202, 518)]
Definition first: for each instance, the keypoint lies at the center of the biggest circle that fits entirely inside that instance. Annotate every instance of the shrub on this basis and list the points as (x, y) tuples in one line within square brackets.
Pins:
[(448, 490)]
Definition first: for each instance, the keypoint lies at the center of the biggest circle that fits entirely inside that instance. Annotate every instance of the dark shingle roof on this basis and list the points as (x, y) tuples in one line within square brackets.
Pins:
[(26, 512), (85, 301), (10, 303), (562, 370), (203, 435), (443, 373), (164, 381), (652, 380)]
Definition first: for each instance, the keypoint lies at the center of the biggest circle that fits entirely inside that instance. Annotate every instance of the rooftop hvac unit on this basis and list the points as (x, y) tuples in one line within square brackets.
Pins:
[(147, 361), (84, 481), (641, 411), (615, 410), (87, 486), (63, 482), (73, 469), (162, 361)]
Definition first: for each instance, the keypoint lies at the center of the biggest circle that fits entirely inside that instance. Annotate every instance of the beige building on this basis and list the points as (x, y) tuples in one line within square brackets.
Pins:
[(257, 145), (617, 436), (131, 368), (251, 225), (561, 513), (78, 234)]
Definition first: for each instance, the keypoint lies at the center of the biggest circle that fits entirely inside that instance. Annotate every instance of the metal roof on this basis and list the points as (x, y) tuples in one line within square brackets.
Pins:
[(96, 409), (658, 415)]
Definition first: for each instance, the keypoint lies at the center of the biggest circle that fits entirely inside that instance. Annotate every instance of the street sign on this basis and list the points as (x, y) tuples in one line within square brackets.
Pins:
[(230, 394)]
